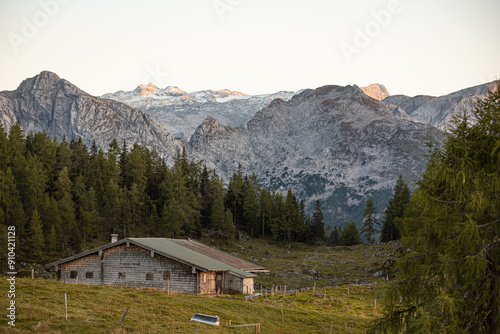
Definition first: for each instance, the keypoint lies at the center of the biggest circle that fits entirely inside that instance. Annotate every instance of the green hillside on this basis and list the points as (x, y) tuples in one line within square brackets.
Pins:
[(40, 309), (40, 303)]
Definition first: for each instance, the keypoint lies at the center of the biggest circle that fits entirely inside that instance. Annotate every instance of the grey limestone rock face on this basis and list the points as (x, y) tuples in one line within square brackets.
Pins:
[(54, 105), (332, 143), (439, 111), (183, 112)]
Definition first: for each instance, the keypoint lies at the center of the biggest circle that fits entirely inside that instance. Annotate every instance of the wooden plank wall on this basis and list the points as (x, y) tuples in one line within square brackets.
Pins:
[(135, 263), (207, 282), (90, 263)]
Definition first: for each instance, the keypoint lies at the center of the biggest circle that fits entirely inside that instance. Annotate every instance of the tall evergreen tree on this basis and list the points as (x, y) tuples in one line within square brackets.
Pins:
[(251, 208), (317, 229), (70, 237), (350, 235), (449, 271), (334, 238), (369, 221), (37, 240), (265, 212), (394, 211), (222, 220)]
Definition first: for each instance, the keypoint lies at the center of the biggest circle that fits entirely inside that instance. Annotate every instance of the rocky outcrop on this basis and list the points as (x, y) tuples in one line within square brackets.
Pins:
[(376, 91), (332, 143), (439, 111), (54, 105)]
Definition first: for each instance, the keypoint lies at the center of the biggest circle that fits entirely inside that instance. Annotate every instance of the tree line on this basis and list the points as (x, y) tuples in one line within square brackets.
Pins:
[(64, 197)]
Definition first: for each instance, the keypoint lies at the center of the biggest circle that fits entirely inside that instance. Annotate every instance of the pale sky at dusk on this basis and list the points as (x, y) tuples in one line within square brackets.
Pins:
[(253, 46)]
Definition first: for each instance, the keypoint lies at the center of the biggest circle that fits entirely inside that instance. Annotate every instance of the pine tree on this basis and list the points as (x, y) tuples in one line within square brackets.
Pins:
[(350, 235), (449, 269), (394, 211), (369, 221)]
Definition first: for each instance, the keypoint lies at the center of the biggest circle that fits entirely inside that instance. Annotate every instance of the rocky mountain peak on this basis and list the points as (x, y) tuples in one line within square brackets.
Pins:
[(146, 89), (174, 90), (210, 129), (48, 103), (376, 91), (45, 81)]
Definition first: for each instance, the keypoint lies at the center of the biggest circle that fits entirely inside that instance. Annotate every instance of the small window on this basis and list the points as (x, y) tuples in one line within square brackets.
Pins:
[(89, 274), (166, 275), (121, 275), (73, 274), (58, 274), (149, 276)]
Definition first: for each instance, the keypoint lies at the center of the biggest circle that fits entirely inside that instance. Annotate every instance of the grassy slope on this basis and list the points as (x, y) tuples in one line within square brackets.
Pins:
[(40, 305), (40, 308), (299, 266)]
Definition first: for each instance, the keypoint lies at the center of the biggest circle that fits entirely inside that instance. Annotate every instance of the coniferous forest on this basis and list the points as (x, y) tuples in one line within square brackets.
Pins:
[(64, 197)]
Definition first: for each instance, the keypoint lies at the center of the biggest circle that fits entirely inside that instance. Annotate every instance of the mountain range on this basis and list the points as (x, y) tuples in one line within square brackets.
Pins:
[(183, 112), (333, 143), (54, 105)]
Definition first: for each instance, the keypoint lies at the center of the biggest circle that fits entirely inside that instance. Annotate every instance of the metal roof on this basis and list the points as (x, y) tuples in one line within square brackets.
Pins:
[(219, 255), (172, 249)]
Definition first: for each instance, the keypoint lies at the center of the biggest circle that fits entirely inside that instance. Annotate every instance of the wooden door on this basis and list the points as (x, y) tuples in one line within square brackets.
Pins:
[(218, 282)]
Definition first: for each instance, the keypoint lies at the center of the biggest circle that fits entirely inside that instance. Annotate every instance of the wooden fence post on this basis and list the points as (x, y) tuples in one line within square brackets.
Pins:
[(314, 287), (331, 324), (32, 273), (282, 317), (124, 314), (66, 306)]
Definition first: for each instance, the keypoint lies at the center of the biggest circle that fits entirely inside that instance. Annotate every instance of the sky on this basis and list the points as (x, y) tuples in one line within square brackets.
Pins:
[(413, 47)]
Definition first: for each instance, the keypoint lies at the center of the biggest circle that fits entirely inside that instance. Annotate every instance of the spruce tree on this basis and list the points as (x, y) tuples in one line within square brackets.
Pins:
[(334, 239), (394, 211), (251, 209), (37, 240), (317, 229), (369, 221), (350, 235), (449, 266)]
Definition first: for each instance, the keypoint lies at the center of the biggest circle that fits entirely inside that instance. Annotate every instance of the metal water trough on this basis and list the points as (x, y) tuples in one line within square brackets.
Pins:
[(205, 319)]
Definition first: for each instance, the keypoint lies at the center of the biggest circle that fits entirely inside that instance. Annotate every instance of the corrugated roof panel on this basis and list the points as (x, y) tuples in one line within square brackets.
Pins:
[(169, 248), (218, 254)]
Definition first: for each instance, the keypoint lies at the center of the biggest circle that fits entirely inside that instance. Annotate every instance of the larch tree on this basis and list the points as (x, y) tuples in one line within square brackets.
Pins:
[(449, 265)]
